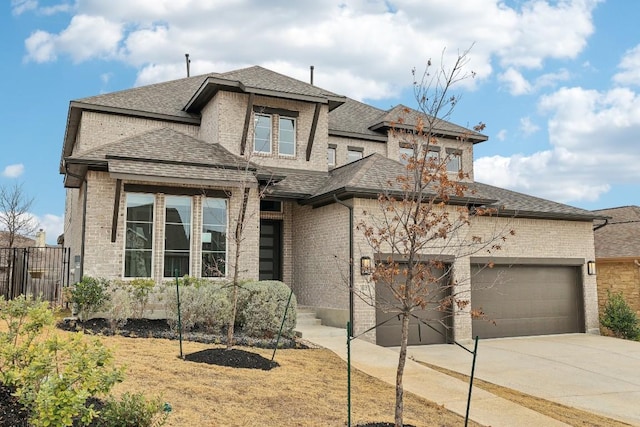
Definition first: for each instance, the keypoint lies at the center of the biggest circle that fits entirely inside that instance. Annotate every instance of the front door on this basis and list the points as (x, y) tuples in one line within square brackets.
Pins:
[(270, 249)]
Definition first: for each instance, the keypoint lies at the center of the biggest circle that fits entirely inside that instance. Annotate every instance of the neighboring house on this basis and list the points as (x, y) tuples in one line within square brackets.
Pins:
[(18, 241), (617, 241), (153, 177)]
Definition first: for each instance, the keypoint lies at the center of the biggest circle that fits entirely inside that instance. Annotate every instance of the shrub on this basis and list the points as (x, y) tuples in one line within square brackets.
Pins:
[(140, 289), (119, 308), (261, 306), (133, 410), (619, 318), (52, 376), (203, 303), (89, 296)]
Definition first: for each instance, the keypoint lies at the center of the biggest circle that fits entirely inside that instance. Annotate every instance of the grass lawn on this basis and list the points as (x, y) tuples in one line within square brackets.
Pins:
[(307, 389)]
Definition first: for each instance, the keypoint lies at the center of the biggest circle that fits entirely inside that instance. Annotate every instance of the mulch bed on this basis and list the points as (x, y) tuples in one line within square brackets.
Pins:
[(12, 413), (233, 358)]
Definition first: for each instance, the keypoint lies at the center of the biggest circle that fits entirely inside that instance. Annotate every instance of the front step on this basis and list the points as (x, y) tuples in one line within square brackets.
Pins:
[(306, 317)]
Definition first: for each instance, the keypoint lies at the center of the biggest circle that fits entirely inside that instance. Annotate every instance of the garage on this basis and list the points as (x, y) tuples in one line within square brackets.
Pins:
[(436, 330), (521, 300)]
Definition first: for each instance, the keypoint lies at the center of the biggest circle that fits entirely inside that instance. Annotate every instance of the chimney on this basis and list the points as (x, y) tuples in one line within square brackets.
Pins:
[(186, 57), (41, 238), (311, 72)]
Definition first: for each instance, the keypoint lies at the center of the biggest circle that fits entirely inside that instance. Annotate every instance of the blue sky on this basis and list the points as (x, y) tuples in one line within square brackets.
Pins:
[(557, 82)]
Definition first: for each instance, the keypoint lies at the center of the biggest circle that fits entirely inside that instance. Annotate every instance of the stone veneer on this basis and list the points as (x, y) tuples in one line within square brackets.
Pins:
[(619, 276)]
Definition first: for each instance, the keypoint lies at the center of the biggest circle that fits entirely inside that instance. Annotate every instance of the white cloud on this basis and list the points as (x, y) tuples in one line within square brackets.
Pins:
[(86, 37), (13, 171), (53, 225), (502, 135), (630, 68), (364, 43), (515, 82), (593, 138), (527, 126), (18, 7)]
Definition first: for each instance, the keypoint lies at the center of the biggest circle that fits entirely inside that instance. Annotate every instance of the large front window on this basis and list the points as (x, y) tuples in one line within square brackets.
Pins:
[(214, 237), (139, 235), (177, 236), (262, 134)]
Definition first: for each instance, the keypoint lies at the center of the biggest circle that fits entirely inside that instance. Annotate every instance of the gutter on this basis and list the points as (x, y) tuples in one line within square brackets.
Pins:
[(351, 274)]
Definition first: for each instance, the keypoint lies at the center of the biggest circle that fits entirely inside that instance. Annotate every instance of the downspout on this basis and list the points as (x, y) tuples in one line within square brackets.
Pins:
[(351, 274), (84, 215)]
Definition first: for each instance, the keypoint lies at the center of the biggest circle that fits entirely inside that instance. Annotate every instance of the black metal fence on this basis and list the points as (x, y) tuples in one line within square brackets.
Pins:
[(35, 271)]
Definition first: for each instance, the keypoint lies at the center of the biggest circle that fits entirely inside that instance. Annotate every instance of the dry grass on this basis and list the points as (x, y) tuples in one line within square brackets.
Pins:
[(566, 414), (308, 389)]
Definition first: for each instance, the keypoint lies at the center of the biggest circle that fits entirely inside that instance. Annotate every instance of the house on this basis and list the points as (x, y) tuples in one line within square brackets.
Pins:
[(617, 241), (156, 175)]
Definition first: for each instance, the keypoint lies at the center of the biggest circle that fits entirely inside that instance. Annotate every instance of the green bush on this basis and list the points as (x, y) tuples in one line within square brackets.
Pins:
[(133, 410), (203, 303), (52, 376), (261, 306), (89, 296), (139, 290), (619, 318), (119, 308)]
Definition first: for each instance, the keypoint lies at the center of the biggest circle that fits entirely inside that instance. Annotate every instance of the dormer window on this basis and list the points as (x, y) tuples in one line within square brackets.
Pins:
[(262, 134), (354, 153)]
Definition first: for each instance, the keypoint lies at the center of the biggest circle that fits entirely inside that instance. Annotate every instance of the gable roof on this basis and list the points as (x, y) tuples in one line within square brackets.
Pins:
[(619, 237), (163, 153), (260, 81)]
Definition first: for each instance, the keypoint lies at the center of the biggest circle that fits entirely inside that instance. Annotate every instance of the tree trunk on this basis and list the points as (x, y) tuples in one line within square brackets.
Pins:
[(402, 358)]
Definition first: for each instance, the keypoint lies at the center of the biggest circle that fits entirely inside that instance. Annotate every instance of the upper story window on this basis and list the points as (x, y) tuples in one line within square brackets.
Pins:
[(405, 153), (262, 134), (138, 247), (354, 153), (331, 155), (177, 236), (287, 136), (454, 161)]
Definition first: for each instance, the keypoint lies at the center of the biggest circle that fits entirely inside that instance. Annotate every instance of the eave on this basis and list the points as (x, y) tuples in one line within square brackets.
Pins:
[(472, 136)]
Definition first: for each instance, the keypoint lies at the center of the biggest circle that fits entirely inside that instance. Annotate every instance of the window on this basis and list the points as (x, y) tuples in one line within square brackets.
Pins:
[(214, 237), (454, 163), (270, 206), (287, 136), (262, 134), (177, 235), (139, 235), (354, 154), (405, 154), (331, 156), (434, 154)]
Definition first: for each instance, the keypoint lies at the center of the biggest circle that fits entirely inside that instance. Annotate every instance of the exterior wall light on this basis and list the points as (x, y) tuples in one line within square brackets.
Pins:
[(365, 266), (591, 268)]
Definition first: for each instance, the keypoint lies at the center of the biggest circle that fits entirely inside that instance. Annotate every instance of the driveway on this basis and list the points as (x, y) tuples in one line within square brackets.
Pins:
[(590, 372)]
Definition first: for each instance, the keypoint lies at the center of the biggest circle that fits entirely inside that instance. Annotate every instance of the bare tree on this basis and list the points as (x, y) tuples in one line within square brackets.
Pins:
[(15, 218), (421, 213)]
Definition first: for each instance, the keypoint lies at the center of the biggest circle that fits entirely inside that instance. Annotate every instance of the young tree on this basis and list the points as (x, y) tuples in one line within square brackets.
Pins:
[(416, 216), (15, 218)]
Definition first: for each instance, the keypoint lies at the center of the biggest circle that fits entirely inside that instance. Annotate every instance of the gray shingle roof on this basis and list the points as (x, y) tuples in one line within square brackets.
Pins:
[(354, 117), (165, 152), (621, 236)]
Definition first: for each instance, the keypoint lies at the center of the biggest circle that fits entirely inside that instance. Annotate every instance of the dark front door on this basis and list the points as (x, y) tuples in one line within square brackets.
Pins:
[(270, 249)]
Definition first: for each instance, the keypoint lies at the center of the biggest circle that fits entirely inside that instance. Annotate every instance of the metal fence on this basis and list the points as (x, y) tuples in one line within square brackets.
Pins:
[(35, 271)]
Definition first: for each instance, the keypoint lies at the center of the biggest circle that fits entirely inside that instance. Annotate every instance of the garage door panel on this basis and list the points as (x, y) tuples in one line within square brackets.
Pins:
[(389, 334), (526, 300)]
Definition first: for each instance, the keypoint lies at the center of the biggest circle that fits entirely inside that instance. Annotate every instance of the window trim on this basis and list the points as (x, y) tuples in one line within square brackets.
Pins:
[(334, 149), (451, 154), (226, 233), (164, 230), (153, 237), (270, 117), (294, 142)]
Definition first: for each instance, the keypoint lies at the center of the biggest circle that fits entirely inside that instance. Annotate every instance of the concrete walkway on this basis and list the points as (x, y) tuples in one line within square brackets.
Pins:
[(380, 362), (590, 372)]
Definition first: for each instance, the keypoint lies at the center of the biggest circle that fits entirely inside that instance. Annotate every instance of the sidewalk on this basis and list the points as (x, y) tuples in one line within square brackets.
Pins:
[(380, 362)]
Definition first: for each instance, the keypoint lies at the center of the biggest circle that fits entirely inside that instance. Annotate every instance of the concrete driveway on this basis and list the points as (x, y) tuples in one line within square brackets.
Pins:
[(594, 373)]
